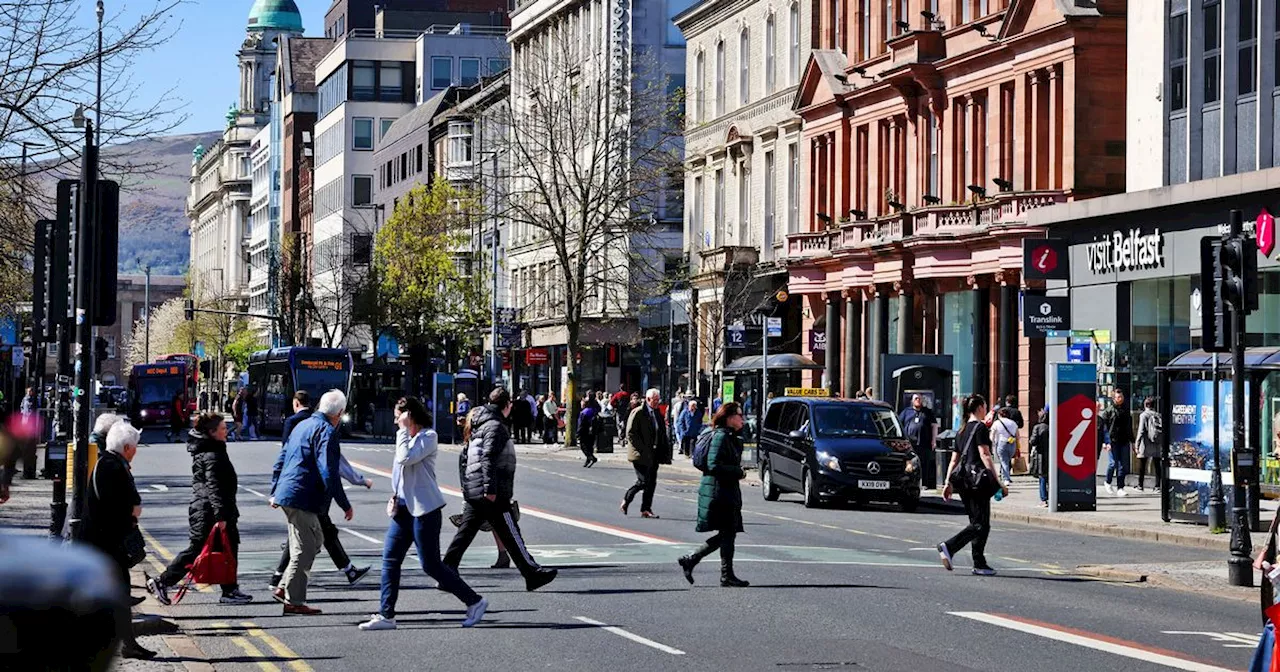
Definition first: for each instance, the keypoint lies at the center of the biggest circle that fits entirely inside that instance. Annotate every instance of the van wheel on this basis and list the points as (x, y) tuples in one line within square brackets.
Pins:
[(766, 482), (811, 498)]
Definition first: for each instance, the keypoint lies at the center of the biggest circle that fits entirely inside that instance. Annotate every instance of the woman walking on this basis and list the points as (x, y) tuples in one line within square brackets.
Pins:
[(213, 500), (1039, 458), (1004, 436), (975, 442), (111, 515), (415, 509), (720, 496), (587, 431)]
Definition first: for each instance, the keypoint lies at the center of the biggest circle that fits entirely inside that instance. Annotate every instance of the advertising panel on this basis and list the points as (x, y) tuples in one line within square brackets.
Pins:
[(1191, 447), (1073, 437)]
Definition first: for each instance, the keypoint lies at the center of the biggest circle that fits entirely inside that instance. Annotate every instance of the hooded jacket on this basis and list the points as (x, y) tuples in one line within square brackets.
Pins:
[(213, 484), (489, 463)]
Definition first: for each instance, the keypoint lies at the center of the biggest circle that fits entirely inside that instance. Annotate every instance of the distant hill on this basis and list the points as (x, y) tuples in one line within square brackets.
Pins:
[(153, 219)]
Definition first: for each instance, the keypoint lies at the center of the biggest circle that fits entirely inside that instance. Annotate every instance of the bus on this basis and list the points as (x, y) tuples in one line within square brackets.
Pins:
[(193, 376), (274, 375), (151, 391)]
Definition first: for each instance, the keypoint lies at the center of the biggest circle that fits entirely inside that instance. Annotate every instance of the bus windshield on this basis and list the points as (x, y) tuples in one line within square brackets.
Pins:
[(158, 390), (318, 376)]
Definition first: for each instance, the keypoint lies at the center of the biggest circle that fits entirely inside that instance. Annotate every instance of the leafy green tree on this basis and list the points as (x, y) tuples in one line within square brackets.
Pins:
[(427, 284)]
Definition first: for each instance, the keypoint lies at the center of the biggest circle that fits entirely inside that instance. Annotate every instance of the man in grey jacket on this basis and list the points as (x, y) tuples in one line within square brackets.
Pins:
[(488, 473)]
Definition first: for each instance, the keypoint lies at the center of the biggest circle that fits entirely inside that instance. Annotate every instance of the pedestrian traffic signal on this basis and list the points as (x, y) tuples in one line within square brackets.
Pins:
[(1238, 268), (1215, 320), (189, 310)]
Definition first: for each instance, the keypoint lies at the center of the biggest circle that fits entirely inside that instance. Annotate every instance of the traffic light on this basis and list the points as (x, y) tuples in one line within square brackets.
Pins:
[(189, 310), (1215, 320), (60, 260), (99, 350), (102, 292), (206, 368), (39, 280)]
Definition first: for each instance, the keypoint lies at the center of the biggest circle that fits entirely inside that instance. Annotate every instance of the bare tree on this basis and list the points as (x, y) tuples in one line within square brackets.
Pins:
[(726, 299), (591, 143)]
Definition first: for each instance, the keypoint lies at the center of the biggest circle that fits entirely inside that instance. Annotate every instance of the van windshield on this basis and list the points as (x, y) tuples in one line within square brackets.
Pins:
[(848, 420)]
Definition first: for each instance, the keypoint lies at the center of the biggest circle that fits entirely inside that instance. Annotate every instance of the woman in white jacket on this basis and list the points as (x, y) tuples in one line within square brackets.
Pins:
[(1004, 441), (415, 509)]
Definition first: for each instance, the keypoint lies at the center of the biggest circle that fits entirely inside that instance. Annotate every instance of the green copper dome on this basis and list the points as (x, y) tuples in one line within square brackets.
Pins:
[(280, 15)]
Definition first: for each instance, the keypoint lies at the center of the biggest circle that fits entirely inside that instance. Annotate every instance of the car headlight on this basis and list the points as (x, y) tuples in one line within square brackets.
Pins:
[(144, 413), (346, 417), (828, 460)]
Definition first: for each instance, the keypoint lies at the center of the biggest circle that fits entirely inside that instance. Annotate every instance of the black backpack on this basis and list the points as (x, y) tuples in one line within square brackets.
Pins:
[(702, 451)]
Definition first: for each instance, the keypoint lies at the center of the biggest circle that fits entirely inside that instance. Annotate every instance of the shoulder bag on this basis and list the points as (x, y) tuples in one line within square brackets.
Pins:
[(972, 476)]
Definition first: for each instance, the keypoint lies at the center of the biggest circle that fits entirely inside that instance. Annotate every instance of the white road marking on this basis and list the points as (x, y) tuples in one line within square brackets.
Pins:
[(159, 487), (251, 490), (631, 636), (1230, 640), (1079, 639), (361, 535), (545, 515)]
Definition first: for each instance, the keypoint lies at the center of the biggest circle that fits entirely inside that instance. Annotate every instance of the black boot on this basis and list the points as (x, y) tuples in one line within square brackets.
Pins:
[(687, 563), (133, 650), (727, 577)]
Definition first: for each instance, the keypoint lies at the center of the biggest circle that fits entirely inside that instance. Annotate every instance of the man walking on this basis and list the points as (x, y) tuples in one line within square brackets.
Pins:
[(917, 421), (1119, 428), (305, 483), (650, 446), (332, 543), (689, 426), (488, 473)]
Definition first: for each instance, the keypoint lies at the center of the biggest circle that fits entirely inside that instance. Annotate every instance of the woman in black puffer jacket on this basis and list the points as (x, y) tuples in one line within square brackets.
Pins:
[(213, 500)]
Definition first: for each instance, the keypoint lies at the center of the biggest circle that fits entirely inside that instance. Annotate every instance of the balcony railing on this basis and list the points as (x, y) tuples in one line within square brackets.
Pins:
[(721, 259), (809, 244)]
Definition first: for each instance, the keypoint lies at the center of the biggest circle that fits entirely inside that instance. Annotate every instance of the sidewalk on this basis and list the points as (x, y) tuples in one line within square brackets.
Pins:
[(27, 512)]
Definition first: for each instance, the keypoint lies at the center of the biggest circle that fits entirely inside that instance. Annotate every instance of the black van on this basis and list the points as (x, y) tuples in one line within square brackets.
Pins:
[(836, 448)]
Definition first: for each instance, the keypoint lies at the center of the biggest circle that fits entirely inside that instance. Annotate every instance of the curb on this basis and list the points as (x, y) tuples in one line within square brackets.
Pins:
[(1160, 580), (193, 658), (1177, 538)]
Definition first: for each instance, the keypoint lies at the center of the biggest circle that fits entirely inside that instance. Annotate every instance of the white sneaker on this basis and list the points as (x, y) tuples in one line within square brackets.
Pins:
[(378, 622), (1121, 492), (475, 612), (1111, 489)]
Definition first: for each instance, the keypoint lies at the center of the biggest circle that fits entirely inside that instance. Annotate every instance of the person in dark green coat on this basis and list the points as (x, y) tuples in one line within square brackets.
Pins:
[(720, 497)]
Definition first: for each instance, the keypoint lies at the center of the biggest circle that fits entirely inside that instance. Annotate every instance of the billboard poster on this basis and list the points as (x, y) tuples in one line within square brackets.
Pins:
[(1073, 437), (1191, 446)]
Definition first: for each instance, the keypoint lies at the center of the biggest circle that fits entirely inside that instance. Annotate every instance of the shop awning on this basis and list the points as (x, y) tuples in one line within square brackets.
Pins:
[(780, 362), (1266, 358)]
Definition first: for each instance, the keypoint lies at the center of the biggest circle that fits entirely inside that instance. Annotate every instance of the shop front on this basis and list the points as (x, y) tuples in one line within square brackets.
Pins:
[(1135, 279)]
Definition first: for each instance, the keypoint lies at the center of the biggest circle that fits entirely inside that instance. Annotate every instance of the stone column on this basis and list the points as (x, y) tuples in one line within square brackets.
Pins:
[(906, 316), (1039, 161), (1055, 127), (852, 351), (832, 373), (882, 338), (981, 338)]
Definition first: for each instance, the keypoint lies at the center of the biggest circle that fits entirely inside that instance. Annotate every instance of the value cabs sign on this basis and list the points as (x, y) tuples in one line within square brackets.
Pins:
[(807, 392)]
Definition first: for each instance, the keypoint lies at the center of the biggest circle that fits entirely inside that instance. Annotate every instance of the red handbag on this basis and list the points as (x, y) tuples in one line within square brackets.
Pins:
[(216, 564)]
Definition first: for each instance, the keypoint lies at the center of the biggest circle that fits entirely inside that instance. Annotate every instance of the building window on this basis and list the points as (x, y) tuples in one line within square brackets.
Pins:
[(460, 143), (744, 67), (384, 126), (770, 55), (391, 82), (419, 159), (700, 90), (718, 220), (468, 71), (934, 141), (498, 65), (719, 78), (794, 55), (1212, 51), (1247, 66), (744, 204), (332, 91), (441, 72), (966, 11), (833, 15), (793, 188), (362, 134), (770, 187), (695, 217), (1178, 62), (363, 84), (362, 190)]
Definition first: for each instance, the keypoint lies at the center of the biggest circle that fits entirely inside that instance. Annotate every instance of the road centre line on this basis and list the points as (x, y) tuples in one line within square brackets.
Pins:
[(555, 518), (296, 664), (248, 647), (631, 636), (1093, 641)]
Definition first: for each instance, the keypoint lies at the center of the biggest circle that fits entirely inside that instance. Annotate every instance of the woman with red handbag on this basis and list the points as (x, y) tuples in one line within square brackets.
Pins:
[(972, 473), (213, 501)]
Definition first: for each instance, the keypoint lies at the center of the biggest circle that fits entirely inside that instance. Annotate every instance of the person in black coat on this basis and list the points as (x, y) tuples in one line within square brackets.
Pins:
[(1039, 455), (111, 513), (213, 500)]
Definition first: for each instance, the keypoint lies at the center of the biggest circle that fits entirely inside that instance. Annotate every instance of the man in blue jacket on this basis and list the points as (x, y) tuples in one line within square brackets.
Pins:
[(689, 426), (304, 485)]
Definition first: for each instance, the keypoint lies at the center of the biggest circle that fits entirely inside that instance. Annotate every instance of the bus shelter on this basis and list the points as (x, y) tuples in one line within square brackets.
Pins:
[(1186, 402), (745, 373)]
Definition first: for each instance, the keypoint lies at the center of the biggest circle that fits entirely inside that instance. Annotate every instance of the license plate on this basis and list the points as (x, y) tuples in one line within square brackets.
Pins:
[(873, 485)]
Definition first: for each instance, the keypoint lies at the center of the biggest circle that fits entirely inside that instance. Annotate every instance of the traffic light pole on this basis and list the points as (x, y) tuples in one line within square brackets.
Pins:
[(1240, 566), (81, 390)]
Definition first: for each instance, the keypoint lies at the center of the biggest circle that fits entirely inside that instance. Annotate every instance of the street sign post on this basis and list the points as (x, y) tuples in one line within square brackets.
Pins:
[(773, 326), (1073, 436)]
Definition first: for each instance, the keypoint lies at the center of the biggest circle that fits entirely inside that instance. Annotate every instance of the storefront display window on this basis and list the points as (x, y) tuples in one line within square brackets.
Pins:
[(1161, 330), (1263, 326), (958, 310)]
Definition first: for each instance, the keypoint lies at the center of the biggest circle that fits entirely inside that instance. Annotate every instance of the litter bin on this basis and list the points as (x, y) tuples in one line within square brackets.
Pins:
[(942, 455)]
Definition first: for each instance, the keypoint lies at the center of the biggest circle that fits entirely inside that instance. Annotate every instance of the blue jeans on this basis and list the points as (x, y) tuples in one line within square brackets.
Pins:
[(1005, 452), (1118, 463), (424, 532), (1044, 488)]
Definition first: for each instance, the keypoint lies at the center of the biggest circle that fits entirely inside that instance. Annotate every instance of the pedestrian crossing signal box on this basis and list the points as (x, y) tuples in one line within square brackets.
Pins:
[(71, 460)]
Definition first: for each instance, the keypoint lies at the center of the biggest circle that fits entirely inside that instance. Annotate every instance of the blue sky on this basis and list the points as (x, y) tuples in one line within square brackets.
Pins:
[(199, 63)]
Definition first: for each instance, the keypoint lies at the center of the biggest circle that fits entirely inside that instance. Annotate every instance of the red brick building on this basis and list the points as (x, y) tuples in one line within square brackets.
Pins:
[(930, 128)]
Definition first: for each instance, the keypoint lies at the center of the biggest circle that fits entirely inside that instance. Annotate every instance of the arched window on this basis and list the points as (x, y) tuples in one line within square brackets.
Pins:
[(770, 55), (719, 78), (744, 67), (794, 29)]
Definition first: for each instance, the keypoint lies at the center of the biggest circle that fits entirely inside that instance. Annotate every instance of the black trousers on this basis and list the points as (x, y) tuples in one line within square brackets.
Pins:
[(550, 430), (976, 533), (476, 512), (686, 445), (723, 541), (1154, 461), (587, 442), (178, 566), (332, 545), (646, 482)]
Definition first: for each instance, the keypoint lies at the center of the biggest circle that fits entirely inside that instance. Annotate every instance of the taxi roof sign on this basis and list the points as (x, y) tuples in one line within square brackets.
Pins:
[(807, 392)]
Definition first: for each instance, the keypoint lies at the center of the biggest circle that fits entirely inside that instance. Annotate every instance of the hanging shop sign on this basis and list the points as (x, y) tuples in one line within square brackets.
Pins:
[(1123, 251), (1045, 259)]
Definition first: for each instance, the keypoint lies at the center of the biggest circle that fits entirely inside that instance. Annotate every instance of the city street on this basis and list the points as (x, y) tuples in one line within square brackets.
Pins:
[(831, 588)]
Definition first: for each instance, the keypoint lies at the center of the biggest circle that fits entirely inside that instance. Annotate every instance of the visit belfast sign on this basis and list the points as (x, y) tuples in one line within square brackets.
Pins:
[(1123, 251)]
